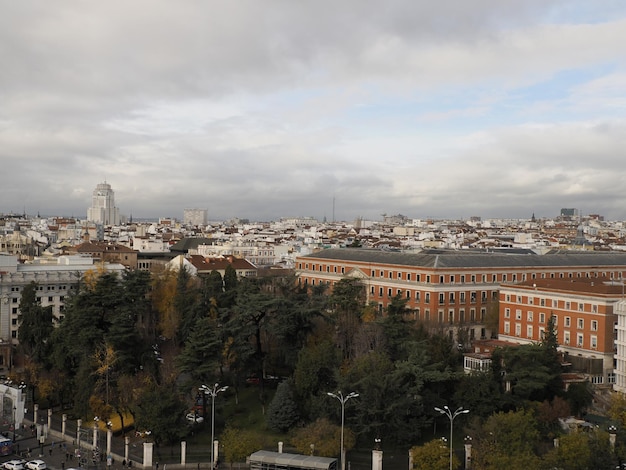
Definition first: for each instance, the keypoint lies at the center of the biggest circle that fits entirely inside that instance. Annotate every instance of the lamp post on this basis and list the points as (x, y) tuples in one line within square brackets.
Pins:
[(451, 415), (213, 393), (342, 399)]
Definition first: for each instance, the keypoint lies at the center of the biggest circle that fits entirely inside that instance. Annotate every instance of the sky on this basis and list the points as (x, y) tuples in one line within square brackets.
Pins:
[(326, 109)]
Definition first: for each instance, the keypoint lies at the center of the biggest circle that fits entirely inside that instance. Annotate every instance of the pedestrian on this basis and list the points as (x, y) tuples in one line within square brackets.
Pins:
[(124, 463), (50, 451)]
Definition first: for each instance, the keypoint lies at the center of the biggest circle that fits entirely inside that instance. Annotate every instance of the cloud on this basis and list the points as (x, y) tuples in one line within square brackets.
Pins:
[(262, 110)]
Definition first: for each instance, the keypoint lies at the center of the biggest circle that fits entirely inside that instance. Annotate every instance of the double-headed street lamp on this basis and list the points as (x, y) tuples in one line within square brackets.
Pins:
[(451, 415), (213, 392), (342, 399)]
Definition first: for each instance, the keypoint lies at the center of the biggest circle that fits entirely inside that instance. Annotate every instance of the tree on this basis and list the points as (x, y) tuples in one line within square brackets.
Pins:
[(160, 411), (239, 444), (282, 413), (506, 440), (325, 438), (434, 455), (348, 301), (35, 325)]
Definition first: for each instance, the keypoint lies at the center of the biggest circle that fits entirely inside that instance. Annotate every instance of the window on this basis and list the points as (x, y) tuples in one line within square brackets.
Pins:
[(568, 321), (462, 297), (483, 314), (399, 275), (442, 298), (581, 324), (518, 314), (542, 317), (542, 302), (519, 299), (440, 314), (531, 300), (507, 297), (441, 280), (417, 295), (427, 297), (594, 309), (452, 279), (408, 294), (566, 337), (462, 277), (473, 297), (451, 316), (594, 342), (389, 292), (529, 316), (418, 278), (568, 305), (451, 297), (507, 313), (594, 325), (518, 329), (507, 327), (428, 279), (581, 307), (529, 331), (579, 340), (380, 291), (390, 275), (542, 333), (472, 314), (408, 276), (555, 303), (473, 278)]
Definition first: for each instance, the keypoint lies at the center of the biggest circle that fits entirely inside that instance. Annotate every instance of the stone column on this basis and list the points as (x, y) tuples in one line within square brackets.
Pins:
[(147, 454), (216, 452), (95, 434), (377, 459), (126, 444), (280, 447), (79, 423), (109, 437), (183, 452), (35, 412), (63, 425), (468, 452), (49, 418)]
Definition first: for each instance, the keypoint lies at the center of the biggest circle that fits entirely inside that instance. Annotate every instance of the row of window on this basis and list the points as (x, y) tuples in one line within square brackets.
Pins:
[(554, 303), (442, 295), (451, 278), (451, 315), (567, 337), (530, 317)]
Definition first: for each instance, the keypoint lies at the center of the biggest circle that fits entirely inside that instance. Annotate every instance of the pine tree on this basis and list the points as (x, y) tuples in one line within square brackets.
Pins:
[(282, 413)]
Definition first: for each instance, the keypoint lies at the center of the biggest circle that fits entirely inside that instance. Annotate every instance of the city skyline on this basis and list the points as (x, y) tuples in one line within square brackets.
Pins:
[(337, 111)]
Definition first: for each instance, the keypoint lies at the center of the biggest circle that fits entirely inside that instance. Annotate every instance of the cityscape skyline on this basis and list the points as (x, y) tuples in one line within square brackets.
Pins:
[(337, 111)]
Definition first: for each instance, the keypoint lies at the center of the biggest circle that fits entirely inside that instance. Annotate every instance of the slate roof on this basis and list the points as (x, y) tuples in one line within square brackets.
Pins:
[(455, 259)]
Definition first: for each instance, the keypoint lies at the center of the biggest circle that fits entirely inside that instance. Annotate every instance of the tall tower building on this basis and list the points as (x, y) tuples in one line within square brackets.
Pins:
[(195, 217), (103, 208)]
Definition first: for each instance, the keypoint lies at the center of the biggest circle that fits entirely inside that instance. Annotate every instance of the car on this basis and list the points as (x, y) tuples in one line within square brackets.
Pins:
[(14, 465), (192, 418), (36, 465)]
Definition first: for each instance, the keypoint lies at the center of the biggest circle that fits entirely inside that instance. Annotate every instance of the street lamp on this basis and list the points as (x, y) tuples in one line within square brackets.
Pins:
[(213, 392), (451, 415), (339, 396)]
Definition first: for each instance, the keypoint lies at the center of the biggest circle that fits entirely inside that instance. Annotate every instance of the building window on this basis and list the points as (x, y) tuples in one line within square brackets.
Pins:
[(473, 297), (408, 294), (518, 314), (529, 331), (519, 299), (568, 321), (462, 297), (507, 327), (473, 278), (566, 337), (483, 313), (579, 340), (555, 303), (390, 275), (542, 302), (451, 297), (594, 325), (504, 278), (462, 277), (417, 295), (472, 314), (594, 309), (594, 342), (452, 278), (440, 314), (581, 324), (507, 313), (581, 307), (529, 316), (542, 333), (518, 329), (507, 297), (542, 317), (408, 276), (441, 298), (427, 279), (389, 292), (451, 316), (380, 291), (441, 280), (427, 297)]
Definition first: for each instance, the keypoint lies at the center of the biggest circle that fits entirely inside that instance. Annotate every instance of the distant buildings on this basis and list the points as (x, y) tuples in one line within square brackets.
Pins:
[(195, 217), (103, 210)]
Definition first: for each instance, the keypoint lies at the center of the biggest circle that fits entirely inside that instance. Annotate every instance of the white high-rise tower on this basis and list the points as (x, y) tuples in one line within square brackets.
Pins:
[(103, 208)]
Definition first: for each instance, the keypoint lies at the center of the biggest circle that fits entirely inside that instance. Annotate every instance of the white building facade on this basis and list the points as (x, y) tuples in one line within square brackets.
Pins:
[(103, 210)]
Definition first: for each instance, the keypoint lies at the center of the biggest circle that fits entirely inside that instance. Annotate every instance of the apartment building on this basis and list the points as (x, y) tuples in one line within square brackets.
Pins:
[(452, 288), (584, 317), (55, 280)]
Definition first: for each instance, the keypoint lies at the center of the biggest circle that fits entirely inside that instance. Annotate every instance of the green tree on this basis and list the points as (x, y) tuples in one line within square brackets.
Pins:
[(35, 326), (434, 455), (506, 440), (348, 303), (239, 444), (282, 413), (325, 438), (160, 411)]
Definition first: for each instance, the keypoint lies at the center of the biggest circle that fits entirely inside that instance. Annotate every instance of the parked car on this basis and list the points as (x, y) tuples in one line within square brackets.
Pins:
[(14, 465), (192, 418), (36, 465)]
